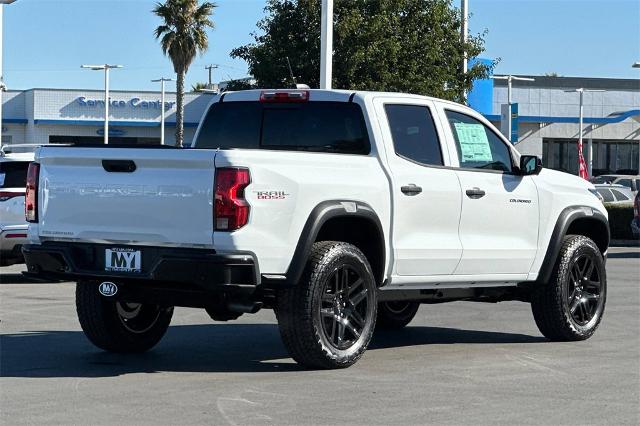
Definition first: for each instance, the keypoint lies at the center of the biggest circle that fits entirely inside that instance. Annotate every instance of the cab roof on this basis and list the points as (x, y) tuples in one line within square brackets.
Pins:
[(335, 95)]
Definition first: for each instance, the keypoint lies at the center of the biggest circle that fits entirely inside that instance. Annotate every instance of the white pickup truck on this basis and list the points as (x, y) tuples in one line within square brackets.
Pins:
[(336, 209)]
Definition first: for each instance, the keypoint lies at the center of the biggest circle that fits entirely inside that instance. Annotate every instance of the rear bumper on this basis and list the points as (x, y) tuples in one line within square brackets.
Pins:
[(177, 268)]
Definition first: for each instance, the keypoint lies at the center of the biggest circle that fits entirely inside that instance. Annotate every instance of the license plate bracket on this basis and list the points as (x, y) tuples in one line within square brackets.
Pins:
[(122, 259)]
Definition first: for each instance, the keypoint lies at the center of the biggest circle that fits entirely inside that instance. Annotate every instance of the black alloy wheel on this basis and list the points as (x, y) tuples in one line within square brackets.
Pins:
[(327, 319), (570, 306), (136, 317), (396, 314), (117, 326), (583, 289), (344, 307)]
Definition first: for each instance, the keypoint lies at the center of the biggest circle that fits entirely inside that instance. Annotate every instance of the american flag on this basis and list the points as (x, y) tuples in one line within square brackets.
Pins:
[(584, 171)]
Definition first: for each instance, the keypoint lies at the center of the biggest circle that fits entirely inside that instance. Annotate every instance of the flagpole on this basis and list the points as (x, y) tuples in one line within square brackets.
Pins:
[(580, 120), (583, 169)]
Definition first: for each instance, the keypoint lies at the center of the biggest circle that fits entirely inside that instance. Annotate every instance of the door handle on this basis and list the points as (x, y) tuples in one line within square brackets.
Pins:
[(119, 166), (475, 193), (411, 189)]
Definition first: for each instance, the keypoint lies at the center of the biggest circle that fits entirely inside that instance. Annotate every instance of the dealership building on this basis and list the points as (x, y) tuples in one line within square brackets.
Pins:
[(547, 120), (546, 123), (77, 116)]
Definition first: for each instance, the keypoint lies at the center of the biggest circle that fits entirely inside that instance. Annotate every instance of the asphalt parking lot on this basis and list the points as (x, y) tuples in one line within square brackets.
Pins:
[(459, 363)]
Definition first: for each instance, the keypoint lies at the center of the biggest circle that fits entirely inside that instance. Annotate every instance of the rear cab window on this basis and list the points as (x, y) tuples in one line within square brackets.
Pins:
[(13, 174), (317, 126)]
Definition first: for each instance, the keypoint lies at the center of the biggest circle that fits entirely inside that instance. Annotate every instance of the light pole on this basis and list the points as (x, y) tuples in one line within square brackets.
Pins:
[(162, 80), (210, 68), (580, 120), (637, 65), (326, 44), (106, 68), (510, 78), (2, 86), (464, 10)]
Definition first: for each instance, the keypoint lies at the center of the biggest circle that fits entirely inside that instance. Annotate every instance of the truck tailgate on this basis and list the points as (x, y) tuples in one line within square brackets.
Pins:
[(139, 196)]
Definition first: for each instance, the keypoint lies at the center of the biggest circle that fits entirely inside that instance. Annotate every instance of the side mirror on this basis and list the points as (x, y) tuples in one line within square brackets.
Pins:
[(530, 165)]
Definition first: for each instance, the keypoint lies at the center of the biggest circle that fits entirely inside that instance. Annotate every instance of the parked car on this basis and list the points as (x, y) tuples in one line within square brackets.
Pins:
[(630, 181), (615, 194), (635, 223), (343, 211), (13, 226)]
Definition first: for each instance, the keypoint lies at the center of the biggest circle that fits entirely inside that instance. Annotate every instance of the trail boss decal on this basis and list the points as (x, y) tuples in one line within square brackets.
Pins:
[(271, 195)]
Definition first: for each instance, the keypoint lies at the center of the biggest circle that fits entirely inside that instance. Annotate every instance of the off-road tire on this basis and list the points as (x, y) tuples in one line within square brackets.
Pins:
[(395, 315), (299, 308), (105, 327), (549, 301)]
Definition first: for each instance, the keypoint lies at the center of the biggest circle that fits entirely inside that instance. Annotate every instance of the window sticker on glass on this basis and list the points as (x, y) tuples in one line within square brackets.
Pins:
[(474, 145), (2, 179), (413, 130)]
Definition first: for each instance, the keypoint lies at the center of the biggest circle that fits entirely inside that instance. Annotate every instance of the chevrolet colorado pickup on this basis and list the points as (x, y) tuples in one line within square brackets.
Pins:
[(337, 209)]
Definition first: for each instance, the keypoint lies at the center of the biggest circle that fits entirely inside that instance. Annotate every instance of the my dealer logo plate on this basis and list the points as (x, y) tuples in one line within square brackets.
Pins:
[(122, 260)]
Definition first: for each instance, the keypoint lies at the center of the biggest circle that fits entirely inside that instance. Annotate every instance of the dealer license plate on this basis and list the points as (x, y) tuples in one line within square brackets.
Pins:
[(122, 260)]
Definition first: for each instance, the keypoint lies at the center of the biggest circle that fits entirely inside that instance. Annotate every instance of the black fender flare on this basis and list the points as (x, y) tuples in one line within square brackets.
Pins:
[(317, 218), (565, 219)]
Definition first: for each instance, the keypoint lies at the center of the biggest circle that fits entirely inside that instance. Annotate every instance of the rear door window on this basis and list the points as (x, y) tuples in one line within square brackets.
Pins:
[(414, 133), (311, 126), (13, 174)]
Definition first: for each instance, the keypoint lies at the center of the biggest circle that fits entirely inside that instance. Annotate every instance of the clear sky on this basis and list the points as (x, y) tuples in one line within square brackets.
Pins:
[(46, 41)]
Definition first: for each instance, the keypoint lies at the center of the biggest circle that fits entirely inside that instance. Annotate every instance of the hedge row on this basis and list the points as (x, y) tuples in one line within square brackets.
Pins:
[(620, 218)]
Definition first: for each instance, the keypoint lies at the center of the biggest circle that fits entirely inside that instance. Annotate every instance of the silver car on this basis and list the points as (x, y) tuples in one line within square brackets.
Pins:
[(630, 181), (13, 226), (615, 194)]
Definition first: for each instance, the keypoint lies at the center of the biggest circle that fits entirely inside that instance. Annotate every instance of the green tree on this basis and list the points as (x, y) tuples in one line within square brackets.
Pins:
[(233, 85), (390, 45), (198, 87), (183, 34)]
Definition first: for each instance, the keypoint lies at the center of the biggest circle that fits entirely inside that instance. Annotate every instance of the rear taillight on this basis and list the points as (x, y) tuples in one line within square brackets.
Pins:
[(7, 195), (636, 206), (31, 196), (284, 96), (231, 210)]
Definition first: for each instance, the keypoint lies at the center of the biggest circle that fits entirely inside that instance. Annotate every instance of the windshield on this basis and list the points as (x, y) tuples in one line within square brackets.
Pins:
[(602, 179)]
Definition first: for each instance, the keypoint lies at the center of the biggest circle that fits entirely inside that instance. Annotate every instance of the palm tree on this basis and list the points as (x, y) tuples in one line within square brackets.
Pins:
[(198, 86), (183, 35)]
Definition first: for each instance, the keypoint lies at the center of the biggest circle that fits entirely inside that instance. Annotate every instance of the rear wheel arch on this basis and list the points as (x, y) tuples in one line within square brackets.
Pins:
[(575, 220), (341, 220)]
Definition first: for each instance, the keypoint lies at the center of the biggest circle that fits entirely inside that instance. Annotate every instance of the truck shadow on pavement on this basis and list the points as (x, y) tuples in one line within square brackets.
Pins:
[(199, 348)]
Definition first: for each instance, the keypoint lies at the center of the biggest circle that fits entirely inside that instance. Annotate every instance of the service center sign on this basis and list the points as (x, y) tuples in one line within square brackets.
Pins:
[(134, 103)]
